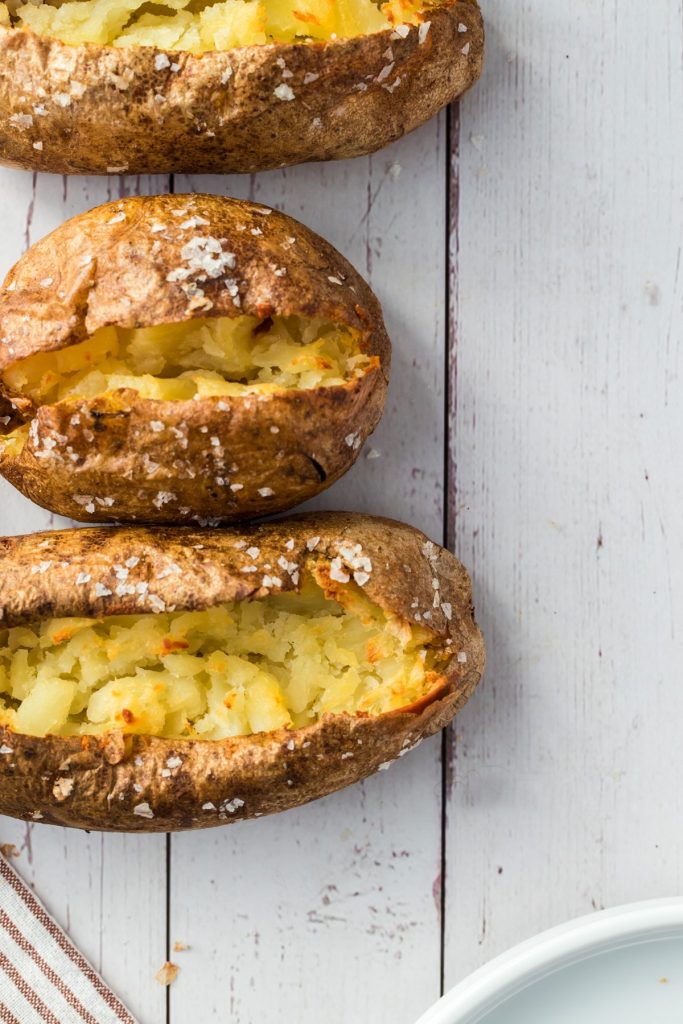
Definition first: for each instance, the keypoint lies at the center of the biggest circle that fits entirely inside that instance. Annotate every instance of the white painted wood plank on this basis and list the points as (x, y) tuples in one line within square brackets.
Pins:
[(568, 295), (328, 913), (109, 892)]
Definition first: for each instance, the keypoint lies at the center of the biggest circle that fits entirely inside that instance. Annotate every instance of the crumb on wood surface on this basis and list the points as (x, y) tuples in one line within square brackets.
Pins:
[(167, 973)]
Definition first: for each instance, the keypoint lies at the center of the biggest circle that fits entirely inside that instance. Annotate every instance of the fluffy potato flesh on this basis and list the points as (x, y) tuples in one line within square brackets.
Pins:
[(198, 26), (232, 670), (196, 359)]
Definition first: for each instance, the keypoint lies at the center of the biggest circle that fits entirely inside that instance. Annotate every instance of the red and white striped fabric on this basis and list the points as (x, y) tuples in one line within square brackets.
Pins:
[(43, 977)]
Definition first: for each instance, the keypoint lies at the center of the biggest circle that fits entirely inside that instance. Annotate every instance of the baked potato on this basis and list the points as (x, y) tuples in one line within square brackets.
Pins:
[(114, 86), (153, 680), (178, 359)]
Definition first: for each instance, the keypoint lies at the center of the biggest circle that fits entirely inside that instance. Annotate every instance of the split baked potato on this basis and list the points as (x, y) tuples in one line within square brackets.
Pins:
[(178, 359), (114, 86), (153, 680)]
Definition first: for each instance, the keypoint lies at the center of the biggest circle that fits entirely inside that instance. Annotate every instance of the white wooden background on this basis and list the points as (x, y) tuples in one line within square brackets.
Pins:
[(527, 250)]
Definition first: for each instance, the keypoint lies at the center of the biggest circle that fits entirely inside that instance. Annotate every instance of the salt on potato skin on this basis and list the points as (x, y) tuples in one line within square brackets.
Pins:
[(147, 261), (126, 110), (141, 783)]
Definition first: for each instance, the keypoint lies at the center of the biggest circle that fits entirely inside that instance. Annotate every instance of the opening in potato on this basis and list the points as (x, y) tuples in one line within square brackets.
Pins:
[(202, 358), (198, 26), (231, 670)]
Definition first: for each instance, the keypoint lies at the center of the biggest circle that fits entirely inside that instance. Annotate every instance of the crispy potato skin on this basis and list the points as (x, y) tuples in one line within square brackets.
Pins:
[(98, 782), (109, 110), (90, 459)]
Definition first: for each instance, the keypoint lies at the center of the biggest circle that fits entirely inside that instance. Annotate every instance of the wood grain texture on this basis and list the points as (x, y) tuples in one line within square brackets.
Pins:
[(566, 425), (108, 892), (328, 913)]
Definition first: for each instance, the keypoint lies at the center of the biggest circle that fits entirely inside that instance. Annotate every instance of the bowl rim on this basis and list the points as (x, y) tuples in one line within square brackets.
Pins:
[(557, 947)]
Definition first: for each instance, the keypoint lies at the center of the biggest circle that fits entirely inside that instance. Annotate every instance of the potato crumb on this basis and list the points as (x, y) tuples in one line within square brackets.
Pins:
[(167, 973)]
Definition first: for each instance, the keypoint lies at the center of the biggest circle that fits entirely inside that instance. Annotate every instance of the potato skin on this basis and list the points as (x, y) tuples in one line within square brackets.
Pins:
[(106, 110), (144, 784), (217, 460)]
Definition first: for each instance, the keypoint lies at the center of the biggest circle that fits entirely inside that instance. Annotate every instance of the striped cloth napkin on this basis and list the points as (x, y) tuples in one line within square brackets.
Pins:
[(43, 977)]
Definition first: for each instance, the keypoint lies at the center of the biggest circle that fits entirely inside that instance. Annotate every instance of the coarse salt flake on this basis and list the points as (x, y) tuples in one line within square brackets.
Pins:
[(385, 72), (284, 92), (230, 806), (194, 222), (143, 810), (163, 498), (203, 255), (21, 120), (337, 571), (41, 568)]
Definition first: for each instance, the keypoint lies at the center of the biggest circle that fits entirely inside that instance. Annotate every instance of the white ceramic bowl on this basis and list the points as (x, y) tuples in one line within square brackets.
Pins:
[(621, 966)]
